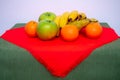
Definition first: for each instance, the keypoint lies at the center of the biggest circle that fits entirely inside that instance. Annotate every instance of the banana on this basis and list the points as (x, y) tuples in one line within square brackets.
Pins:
[(81, 23), (64, 19), (82, 16), (73, 15), (57, 20)]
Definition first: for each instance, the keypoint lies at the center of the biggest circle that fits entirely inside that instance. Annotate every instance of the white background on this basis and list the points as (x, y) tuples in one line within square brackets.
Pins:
[(22, 11)]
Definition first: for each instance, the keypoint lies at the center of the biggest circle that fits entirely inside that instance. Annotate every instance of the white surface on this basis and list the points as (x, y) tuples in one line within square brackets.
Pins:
[(22, 11)]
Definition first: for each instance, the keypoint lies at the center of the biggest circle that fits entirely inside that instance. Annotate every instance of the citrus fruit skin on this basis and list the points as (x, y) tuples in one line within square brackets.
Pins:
[(69, 33), (93, 30), (47, 29), (30, 28)]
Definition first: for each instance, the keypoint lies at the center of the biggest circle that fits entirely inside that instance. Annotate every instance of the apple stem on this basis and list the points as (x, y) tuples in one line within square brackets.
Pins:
[(49, 21), (48, 14)]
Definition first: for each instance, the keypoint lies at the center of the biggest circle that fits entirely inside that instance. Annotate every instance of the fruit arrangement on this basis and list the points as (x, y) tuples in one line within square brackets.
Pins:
[(67, 26)]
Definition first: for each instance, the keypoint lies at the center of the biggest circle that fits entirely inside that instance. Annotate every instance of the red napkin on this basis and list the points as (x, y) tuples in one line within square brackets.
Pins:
[(58, 56)]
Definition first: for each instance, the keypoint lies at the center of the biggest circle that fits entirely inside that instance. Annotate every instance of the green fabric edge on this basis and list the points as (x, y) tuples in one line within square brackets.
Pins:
[(22, 24)]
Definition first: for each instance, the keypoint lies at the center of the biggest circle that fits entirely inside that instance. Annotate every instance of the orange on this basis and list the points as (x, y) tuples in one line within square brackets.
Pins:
[(30, 28), (69, 32), (93, 30)]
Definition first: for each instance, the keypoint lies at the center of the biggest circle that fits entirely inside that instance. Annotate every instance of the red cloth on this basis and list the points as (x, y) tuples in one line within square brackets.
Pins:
[(58, 56)]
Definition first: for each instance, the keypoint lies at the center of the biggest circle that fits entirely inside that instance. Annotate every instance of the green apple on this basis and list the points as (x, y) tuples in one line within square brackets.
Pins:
[(47, 29), (47, 16)]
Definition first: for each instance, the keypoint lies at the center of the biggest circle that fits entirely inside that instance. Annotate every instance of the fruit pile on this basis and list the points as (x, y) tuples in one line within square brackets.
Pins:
[(67, 26)]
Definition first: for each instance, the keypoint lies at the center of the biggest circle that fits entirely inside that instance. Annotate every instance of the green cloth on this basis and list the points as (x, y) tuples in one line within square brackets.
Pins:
[(17, 64)]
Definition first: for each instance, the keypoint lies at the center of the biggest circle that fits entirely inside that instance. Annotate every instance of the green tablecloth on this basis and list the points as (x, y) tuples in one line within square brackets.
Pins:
[(17, 64)]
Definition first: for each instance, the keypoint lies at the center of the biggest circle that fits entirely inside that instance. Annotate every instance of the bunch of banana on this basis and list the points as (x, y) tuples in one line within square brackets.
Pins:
[(83, 22), (75, 15), (74, 18), (82, 16), (80, 23), (79, 19), (64, 19), (57, 20)]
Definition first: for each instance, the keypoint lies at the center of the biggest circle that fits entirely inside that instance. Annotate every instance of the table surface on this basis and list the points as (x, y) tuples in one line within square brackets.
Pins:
[(17, 64)]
